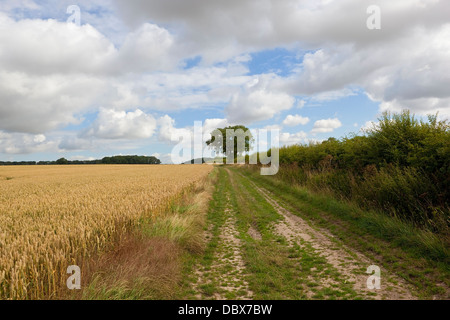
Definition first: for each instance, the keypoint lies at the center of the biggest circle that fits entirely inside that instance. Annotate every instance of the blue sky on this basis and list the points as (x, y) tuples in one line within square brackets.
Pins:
[(134, 75)]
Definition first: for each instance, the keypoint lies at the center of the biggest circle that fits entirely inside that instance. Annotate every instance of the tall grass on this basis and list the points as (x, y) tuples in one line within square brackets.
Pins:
[(419, 242)]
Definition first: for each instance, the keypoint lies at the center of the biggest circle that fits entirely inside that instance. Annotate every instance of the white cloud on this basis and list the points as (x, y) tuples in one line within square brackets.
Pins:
[(413, 77), (290, 139), (220, 29), (414, 36), (20, 143), (48, 46), (147, 49), (257, 105), (326, 125), (37, 104), (165, 158), (257, 101), (72, 143), (37, 46), (301, 104), (292, 121), (169, 133), (112, 124), (52, 72), (334, 95), (211, 124)]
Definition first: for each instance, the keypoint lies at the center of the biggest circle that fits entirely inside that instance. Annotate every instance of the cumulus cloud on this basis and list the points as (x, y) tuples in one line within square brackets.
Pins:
[(169, 133), (257, 105), (240, 25), (51, 72), (290, 139), (414, 35), (19, 143), (326, 125), (112, 124), (211, 124), (413, 77), (37, 104), (257, 101), (292, 121), (147, 49), (47, 46), (71, 143)]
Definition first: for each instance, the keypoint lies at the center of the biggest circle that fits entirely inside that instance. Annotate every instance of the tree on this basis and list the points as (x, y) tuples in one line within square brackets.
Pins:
[(62, 161), (403, 140), (239, 137)]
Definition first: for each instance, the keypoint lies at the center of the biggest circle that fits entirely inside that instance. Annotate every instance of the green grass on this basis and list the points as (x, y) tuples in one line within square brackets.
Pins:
[(215, 220), (275, 270), (419, 256)]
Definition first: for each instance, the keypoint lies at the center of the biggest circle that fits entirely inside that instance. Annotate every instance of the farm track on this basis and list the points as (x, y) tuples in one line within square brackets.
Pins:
[(340, 272), (345, 260), (228, 269)]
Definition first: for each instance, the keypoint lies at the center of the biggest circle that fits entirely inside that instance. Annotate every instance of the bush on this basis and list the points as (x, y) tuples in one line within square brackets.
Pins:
[(401, 166)]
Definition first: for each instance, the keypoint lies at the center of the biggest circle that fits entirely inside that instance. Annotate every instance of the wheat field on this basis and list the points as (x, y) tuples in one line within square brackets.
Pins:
[(55, 216)]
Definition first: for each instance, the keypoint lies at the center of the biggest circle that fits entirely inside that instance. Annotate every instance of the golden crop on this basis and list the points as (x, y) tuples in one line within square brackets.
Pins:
[(52, 216)]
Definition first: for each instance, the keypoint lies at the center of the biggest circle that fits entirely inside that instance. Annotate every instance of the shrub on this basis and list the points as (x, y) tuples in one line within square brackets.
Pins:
[(401, 165)]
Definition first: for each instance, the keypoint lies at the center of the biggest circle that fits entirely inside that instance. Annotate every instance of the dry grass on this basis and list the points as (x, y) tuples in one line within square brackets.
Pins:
[(53, 217), (137, 268)]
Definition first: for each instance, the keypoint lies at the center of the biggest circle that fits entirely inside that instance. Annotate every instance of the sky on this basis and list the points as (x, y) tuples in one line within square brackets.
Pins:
[(129, 77)]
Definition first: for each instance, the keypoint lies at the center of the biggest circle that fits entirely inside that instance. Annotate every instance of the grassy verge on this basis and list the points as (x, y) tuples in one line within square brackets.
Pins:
[(215, 220), (417, 255)]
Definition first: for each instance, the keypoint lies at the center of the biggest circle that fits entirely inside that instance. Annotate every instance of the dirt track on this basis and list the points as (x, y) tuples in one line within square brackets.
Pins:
[(341, 269), (349, 263)]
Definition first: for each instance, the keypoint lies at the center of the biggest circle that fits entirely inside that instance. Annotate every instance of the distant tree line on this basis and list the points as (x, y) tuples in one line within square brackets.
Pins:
[(131, 160), (18, 163), (105, 160)]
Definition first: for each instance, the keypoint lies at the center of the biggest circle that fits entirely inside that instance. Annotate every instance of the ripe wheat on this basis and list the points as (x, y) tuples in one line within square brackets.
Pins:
[(54, 216)]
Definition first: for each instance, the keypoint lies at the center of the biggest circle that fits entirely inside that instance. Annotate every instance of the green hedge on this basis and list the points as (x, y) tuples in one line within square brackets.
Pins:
[(401, 165)]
